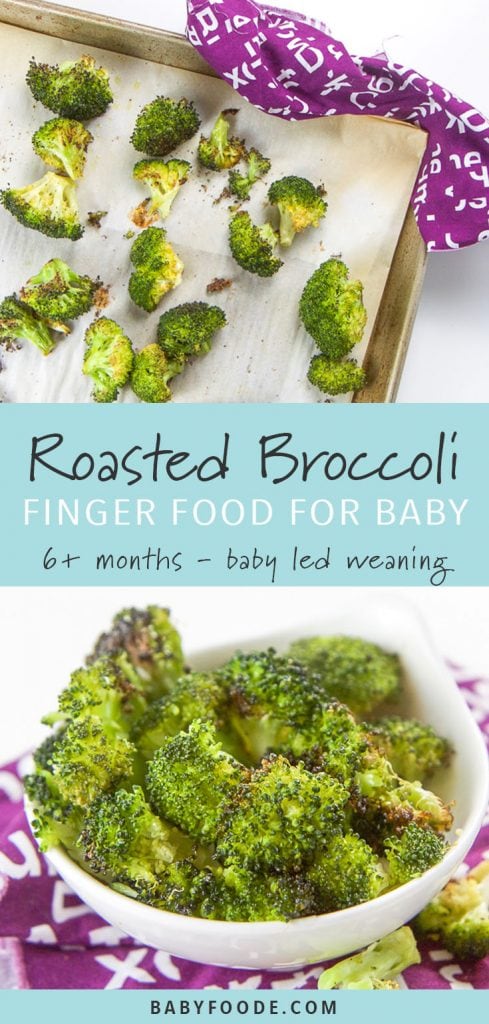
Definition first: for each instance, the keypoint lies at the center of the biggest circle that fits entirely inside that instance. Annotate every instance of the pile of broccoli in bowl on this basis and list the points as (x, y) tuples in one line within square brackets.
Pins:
[(274, 787)]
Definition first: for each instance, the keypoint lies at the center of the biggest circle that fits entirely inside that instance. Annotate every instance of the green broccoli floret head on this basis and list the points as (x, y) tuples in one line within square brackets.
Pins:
[(125, 842), (375, 966), (58, 293), (54, 820), (149, 639), (163, 124), (236, 893), (62, 143), (414, 750), (257, 166), (151, 374), (191, 779), (332, 310), (164, 181), (195, 695), (253, 247), (354, 671), (158, 269), (388, 803), (108, 359), (412, 853), (459, 916), (17, 321), (335, 378), (109, 689), (49, 205), (76, 89), (281, 816), (346, 872), (188, 330), (300, 204), (89, 759), (219, 152)]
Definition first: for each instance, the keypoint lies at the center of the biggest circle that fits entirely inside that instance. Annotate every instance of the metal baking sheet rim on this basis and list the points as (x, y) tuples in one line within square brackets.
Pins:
[(387, 349)]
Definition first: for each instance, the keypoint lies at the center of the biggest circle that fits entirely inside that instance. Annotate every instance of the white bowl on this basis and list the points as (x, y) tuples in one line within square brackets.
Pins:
[(431, 695)]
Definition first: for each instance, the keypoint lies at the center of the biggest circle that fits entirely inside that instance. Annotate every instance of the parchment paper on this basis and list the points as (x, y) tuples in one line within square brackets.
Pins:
[(367, 166)]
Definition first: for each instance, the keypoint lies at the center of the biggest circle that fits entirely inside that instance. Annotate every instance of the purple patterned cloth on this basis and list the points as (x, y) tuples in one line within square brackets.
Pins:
[(50, 940), (291, 67)]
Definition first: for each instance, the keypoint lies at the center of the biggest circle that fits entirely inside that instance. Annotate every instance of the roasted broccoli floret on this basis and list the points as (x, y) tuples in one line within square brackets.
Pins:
[(125, 842), (58, 293), (414, 750), (164, 181), (236, 893), (62, 143), (220, 151), (412, 853), (188, 330), (163, 124), (90, 759), (191, 779), (300, 204), (332, 310), (459, 916), (110, 689), (49, 205), (157, 271), (17, 321), (335, 378), (375, 967), (54, 821), (151, 374), (76, 89), (346, 872), (195, 695), (149, 639), (280, 816), (253, 247), (257, 166), (352, 670), (108, 359), (387, 802)]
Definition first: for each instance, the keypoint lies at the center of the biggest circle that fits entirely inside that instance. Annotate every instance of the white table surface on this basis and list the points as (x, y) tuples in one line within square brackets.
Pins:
[(45, 633), (448, 358)]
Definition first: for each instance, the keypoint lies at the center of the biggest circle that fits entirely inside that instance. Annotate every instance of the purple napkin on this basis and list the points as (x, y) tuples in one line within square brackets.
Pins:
[(50, 940), (292, 68)]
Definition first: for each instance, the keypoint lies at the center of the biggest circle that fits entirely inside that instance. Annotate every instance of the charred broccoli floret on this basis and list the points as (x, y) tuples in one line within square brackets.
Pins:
[(220, 151), (332, 310), (152, 644), (375, 967), (459, 916), (188, 330), (195, 695), (109, 689), (335, 378), (76, 89), (236, 893), (280, 816), (54, 821), (58, 293), (157, 271), (17, 322), (300, 204), (164, 181), (253, 247), (151, 374), (90, 759), (62, 143), (352, 670), (346, 872), (412, 853), (414, 750), (257, 166), (125, 842), (108, 359), (163, 124), (191, 779), (49, 205), (387, 802)]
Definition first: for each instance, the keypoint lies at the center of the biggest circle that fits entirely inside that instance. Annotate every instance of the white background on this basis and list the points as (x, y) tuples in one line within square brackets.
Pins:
[(448, 359), (45, 633)]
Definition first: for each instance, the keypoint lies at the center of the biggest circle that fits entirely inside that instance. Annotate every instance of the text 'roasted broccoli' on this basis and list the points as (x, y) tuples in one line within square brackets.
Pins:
[(76, 89)]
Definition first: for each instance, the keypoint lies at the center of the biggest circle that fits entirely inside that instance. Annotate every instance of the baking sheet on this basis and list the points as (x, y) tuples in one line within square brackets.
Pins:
[(368, 167)]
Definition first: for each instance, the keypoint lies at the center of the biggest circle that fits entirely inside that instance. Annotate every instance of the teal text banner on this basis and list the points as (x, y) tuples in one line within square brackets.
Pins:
[(244, 495)]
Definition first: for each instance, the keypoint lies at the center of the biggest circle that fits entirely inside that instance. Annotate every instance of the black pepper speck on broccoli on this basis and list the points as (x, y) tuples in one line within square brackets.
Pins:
[(75, 89), (17, 321)]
